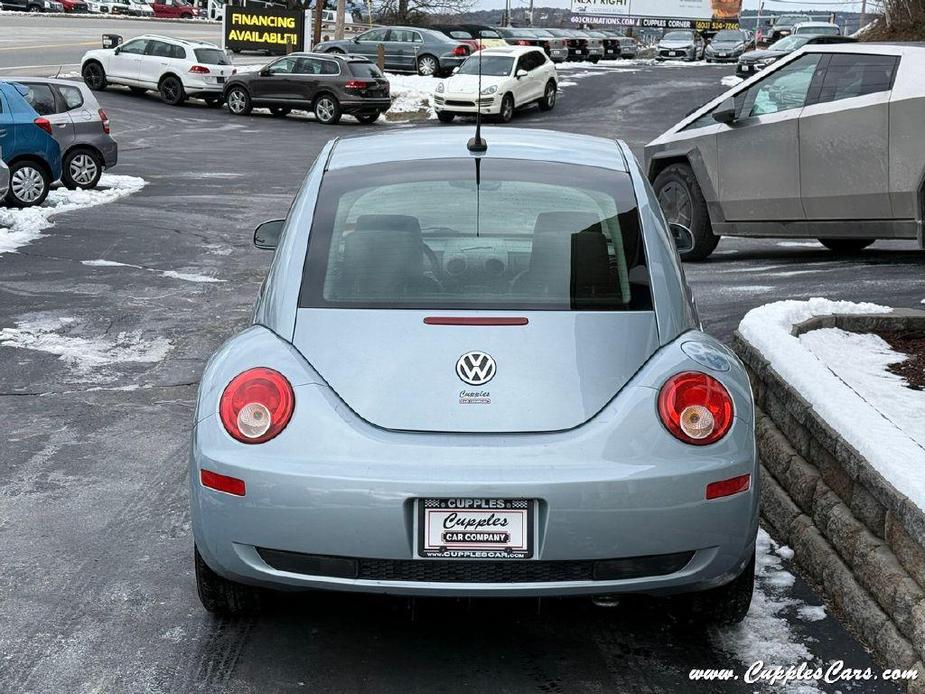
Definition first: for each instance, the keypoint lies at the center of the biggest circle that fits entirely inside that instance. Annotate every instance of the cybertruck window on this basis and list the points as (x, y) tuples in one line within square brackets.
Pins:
[(476, 234)]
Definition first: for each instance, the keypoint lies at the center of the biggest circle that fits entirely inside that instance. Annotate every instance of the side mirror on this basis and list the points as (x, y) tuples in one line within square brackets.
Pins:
[(521, 73), (356, 39), (683, 238), (111, 40), (264, 72), (266, 235), (725, 112)]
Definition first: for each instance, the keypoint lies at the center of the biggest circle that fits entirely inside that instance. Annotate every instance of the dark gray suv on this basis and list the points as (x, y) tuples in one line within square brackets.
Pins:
[(328, 85), (79, 125)]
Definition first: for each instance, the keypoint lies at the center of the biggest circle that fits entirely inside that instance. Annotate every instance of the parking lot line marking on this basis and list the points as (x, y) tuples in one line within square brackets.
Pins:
[(32, 67), (48, 45)]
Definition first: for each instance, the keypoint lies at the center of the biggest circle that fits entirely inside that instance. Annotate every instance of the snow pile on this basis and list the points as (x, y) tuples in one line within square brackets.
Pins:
[(185, 276), (731, 80), (862, 362), (894, 453), (19, 227), (65, 337), (766, 634), (411, 94)]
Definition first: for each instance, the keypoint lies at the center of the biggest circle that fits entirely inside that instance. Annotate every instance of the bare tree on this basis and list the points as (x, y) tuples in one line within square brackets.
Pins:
[(417, 11)]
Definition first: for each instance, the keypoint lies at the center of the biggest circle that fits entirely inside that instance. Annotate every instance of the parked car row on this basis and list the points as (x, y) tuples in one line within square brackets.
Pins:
[(50, 130), (760, 160), (162, 9), (751, 62)]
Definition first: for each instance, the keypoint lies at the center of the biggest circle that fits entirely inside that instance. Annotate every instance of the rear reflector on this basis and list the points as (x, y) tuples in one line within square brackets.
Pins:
[(222, 483), (717, 490), (471, 320)]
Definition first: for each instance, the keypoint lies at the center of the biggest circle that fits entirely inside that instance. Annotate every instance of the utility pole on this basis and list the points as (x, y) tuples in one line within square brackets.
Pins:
[(316, 29), (339, 26), (863, 14), (507, 12), (531, 13)]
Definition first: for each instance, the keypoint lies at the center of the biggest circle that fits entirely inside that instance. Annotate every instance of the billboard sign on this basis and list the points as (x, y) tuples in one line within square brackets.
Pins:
[(263, 29), (703, 15)]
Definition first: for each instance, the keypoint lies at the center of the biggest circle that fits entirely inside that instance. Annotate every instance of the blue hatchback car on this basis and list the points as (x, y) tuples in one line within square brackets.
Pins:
[(28, 148), (476, 374)]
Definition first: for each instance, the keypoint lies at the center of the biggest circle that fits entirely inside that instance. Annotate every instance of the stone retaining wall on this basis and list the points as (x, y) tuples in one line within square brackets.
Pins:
[(856, 537)]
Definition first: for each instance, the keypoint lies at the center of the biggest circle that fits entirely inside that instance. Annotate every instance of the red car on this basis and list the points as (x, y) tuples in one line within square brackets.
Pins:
[(173, 9), (74, 5)]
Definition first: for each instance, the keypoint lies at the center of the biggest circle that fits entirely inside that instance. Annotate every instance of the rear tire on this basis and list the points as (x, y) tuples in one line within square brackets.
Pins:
[(445, 117), (29, 184), (682, 201), (327, 109), (846, 245), (367, 118), (81, 168), (94, 76), (222, 597), (723, 606), (549, 97), (239, 101), (171, 91)]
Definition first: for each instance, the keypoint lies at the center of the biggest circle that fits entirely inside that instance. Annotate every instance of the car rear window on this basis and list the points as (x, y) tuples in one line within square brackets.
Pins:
[(365, 69), (476, 234), (41, 98), (211, 56)]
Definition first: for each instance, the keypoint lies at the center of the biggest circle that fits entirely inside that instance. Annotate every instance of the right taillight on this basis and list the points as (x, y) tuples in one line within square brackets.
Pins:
[(105, 119), (43, 123), (695, 408), (257, 405)]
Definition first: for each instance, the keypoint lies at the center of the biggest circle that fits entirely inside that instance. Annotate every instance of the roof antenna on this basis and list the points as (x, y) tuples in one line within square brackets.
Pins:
[(476, 144)]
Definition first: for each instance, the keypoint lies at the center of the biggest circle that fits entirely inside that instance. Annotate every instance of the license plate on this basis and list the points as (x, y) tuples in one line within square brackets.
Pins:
[(220, 80), (722, 55), (475, 528), (674, 53), (746, 68)]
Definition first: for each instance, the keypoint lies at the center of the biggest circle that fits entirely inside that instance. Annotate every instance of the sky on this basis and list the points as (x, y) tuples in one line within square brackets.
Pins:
[(817, 6)]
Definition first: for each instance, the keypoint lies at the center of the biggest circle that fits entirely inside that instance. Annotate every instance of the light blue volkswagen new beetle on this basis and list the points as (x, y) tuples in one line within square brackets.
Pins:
[(475, 374)]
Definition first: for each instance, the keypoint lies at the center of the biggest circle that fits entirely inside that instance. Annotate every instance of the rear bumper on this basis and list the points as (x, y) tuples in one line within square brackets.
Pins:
[(369, 105), (558, 55), (341, 515)]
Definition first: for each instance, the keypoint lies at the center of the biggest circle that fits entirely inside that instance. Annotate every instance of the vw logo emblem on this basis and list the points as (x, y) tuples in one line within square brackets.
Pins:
[(476, 368)]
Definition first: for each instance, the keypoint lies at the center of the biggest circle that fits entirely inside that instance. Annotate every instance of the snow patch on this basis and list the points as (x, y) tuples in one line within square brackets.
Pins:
[(185, 276), (765, 633), (19, 227), (731, 81), (799, 244), (862, 361), (412, 93), (62, 337), (811, 613), (894, 450)]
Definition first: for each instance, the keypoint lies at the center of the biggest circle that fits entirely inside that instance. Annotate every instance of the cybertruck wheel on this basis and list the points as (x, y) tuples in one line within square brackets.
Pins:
[(682, 202), (223, 597), (846, 245), (723, 606)]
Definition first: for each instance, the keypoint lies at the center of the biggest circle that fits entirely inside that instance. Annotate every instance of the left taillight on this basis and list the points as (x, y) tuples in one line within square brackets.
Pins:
[(696, 408), (356, 84), (44, 124), (105, 119), (256, 405), (461, 50), (200, 70)]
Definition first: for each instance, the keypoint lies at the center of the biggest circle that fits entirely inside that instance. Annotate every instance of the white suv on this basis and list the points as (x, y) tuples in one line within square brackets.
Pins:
[(175, 68)]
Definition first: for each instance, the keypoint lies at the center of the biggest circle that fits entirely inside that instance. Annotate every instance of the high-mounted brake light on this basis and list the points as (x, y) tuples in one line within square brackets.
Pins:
[(200, 70), (257, 405), (105, 119), (44, 124), (695, 408)]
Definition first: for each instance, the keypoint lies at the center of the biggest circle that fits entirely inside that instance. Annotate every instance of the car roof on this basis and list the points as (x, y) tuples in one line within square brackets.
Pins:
[(347, 57), (45, 80), (913, 49), (508, 50), (528, 144), (815, 24), (174, 39)]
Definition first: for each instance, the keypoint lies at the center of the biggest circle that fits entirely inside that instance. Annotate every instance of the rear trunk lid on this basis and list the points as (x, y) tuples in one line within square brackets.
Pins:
[(398, 372)]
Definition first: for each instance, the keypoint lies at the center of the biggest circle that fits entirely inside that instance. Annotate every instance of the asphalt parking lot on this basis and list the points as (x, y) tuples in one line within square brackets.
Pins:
[(97, 591)]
